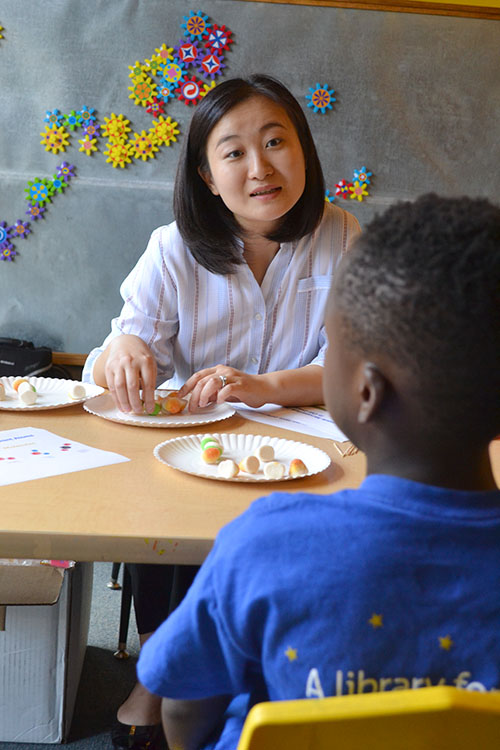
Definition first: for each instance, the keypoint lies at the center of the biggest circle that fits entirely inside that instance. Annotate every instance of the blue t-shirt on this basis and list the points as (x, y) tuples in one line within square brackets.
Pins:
[(394, 585)]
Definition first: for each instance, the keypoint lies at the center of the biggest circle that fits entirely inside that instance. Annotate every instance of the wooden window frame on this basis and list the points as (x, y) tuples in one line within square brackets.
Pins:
[(471, 10)]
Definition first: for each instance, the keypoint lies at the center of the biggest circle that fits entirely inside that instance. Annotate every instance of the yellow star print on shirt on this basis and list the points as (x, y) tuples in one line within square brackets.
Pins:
[(291, 653), (445, 643), (376, 621)]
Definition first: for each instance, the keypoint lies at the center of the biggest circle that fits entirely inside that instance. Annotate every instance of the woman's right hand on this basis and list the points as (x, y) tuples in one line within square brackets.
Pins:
[(128, 367)]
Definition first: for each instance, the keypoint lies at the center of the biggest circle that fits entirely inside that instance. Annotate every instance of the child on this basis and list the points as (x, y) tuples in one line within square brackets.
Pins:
[(393, 585)]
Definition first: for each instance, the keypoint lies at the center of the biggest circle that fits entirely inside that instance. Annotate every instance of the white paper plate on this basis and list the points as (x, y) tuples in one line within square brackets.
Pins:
[(104, 406), (52, 393), (184, 453)]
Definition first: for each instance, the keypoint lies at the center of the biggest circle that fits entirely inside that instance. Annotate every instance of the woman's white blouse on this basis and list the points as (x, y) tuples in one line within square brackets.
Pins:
[(192, 318)]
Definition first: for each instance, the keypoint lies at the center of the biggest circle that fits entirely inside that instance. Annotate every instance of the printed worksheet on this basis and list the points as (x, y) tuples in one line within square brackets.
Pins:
[(307, 420), (30, 453)]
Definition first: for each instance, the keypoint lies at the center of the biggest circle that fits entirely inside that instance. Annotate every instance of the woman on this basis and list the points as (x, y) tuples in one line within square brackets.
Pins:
[(227, 302)]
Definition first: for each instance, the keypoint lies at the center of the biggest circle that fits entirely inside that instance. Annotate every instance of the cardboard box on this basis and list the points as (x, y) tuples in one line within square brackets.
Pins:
[(42, 648)]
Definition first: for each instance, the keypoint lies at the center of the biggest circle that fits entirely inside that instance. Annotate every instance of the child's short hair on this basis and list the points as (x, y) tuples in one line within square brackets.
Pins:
[(206, 225), (422, 286)]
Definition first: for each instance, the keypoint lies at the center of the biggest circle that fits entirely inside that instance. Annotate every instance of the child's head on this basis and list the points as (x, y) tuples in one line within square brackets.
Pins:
[(206, 224), (415, 319)]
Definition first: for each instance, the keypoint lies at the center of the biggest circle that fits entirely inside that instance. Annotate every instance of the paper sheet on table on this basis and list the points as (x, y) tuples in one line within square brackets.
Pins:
[(308, 420), (31, 453)]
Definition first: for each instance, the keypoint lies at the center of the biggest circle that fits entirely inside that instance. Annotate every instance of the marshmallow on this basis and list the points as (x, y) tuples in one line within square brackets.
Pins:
[(26, 393), (274, 470), (264, 452), (250, 464), (77, 391), (227, 469)]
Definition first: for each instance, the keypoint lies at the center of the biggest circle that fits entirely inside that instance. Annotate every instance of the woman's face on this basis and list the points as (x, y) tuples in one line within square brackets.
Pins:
[(256, 164)]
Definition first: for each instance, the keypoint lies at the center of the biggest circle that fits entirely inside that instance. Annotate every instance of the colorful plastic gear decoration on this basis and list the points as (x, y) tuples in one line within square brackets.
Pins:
[(208, 87), (358, 190), (119, 153), (7, 252), (362, 174), (152, 66), (137, 70), (329, 197), (73, 120), (164, 52), (143, 90), (156, 107), (320, 98), (173, 73), (187, 52), (54, 118), (196, 25), (190, 91), (144, 146), (65, 171), (58, 183), (210, 65), (21, 229), (218, 38), (164, 131), (87, 145), (165, 92), (116, 128), (55, 139), (39, 191), (91, 130), (86, 115), (35, 212), (5, 233), (343, 189)]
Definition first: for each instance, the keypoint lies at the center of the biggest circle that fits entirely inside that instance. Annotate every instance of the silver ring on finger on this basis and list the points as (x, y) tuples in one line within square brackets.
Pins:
[(223, 380)]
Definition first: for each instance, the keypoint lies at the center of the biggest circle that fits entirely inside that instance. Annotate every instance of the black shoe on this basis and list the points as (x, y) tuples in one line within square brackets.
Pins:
[(135, 737)]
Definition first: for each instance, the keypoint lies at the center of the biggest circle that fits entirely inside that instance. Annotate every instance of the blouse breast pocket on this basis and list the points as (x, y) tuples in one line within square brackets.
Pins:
[(314, 283)]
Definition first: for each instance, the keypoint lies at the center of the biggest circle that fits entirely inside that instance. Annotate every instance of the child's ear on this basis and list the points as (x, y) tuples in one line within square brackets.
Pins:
[(372, 389), (206, 176)]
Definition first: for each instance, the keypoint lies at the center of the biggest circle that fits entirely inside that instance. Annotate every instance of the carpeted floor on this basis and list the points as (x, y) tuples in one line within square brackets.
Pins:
[(105, 681)]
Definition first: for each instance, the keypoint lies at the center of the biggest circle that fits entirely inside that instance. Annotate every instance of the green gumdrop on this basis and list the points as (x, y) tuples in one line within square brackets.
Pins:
[(208, 439), (155, 411)]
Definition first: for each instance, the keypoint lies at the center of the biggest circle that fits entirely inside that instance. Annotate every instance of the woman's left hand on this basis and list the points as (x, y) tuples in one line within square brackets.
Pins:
[(221, 383)]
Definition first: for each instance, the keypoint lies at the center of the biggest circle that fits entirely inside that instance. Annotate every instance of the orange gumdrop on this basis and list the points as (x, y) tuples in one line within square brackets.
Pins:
[(211, 454), (297, 468), (17, 382), (173, 404)]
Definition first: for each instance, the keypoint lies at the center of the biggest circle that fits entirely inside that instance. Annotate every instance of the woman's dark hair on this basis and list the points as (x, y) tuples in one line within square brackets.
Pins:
[(206, 225)]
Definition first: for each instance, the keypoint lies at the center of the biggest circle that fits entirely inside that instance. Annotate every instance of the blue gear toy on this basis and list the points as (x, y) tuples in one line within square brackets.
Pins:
[(321, 98), (196, 25), (362, 175), (54, 118)]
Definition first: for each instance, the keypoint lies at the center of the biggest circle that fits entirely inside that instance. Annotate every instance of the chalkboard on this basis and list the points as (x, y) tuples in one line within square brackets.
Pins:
[(417, 103)]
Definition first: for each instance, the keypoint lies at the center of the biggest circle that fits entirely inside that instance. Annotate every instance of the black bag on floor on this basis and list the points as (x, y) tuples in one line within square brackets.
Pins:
[(22, 358)]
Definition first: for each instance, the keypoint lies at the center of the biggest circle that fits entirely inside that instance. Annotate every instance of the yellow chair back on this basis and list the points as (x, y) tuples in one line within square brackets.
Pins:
[(434, 718)]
